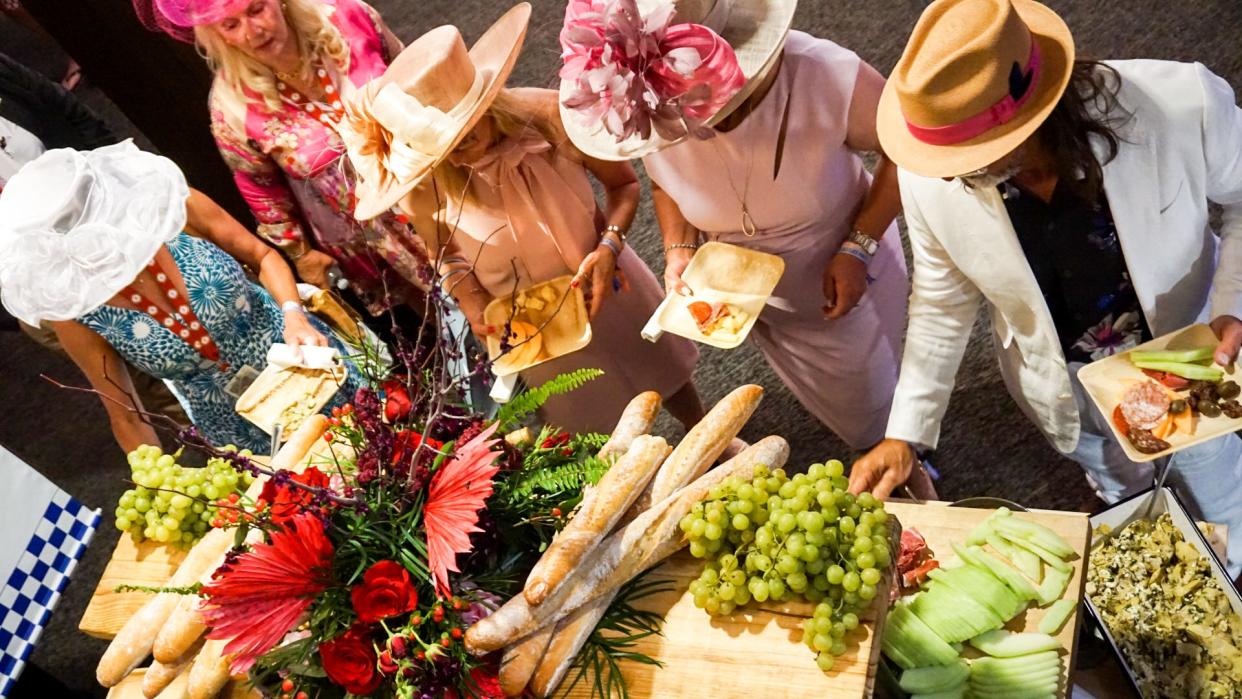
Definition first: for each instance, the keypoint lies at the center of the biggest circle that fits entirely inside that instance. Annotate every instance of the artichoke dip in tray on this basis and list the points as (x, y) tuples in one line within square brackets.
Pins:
[(1164, 601)]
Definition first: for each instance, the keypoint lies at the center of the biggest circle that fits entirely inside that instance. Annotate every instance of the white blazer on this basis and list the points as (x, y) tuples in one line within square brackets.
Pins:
[(1181, 147)]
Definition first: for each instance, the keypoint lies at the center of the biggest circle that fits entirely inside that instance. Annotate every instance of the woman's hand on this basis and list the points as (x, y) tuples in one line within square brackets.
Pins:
[(845, 281), (299, 331), (884, 468), (598, 270), (675, 262), (313, 267)]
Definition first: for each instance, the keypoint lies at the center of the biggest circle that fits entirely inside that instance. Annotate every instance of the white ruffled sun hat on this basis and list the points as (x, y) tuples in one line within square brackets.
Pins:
[(76, 227)]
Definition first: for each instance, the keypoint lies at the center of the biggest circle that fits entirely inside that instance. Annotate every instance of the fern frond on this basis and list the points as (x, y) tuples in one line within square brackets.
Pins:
[(568, 477), (527, 402)]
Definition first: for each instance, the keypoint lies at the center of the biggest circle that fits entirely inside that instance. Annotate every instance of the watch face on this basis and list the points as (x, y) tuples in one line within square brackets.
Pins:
[(869, 244)]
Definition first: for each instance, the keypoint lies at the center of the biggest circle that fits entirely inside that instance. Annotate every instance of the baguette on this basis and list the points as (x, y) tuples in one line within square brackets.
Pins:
[(702, 445), (210, 671), (637, 419), (602, 507), (159, 675), (133, 642), (179, 688), (520, 660), (649, 539)]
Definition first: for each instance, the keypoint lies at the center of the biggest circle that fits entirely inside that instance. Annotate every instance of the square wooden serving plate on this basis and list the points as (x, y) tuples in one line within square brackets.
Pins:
[(722, 273), (1107, 380), (288, 396), (553, 309)]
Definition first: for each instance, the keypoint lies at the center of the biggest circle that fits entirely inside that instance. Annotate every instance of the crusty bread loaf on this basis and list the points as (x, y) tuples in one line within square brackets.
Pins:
[(647, 540), (179, 688), (602, 507), (702, 445), (210, 671), (160, 675), (520, 660), (637, 419)]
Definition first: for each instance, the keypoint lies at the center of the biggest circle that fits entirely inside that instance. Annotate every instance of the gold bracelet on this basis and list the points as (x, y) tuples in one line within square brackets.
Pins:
[(680, 246)]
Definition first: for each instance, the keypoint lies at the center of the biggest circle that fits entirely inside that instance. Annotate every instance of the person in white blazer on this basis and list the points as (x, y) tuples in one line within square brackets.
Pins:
[(996, 127)]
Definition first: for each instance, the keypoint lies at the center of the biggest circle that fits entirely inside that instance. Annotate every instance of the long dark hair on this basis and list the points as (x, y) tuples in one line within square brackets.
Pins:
[(1088, 106)]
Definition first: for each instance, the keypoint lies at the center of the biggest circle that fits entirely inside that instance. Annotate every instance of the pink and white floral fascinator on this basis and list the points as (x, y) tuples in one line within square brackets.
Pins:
[(641, 75), (77, 226), (196, 13)]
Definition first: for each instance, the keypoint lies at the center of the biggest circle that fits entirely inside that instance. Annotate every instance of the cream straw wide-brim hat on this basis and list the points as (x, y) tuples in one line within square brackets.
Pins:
[(957, 64), (755, 29), (437, 72)]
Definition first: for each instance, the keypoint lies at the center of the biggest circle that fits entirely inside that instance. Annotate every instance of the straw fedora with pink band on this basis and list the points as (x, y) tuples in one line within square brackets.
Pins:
[(403, 124), (755, 30), (977, 78)]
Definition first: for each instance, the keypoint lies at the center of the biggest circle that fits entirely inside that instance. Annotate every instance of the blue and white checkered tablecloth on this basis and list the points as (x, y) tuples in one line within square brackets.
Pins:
[(45, 532)]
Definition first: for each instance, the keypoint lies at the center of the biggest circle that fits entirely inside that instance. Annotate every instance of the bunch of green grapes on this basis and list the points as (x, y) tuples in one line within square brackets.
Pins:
[(775, 537), (171, 503)]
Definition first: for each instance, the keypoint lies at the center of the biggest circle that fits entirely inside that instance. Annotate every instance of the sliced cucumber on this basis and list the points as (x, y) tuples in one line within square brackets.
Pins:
[(937, 678), (1026, 562), (1190, 356), (982, 586), (1053, 560), (1045, 538), (1006, 644), (982, 559), (1195, 372), (1057, 615), (1053, 586)]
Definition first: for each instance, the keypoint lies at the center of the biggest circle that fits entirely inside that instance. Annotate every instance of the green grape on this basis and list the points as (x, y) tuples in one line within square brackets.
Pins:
[(786, 523), (725, 591), (821, 642), (866, 592), (851, 581), (815, 471), (865, 560), (867, 500), (850, 619), (758, 589), (870, 576), (838, 648), (835, 574), (835, 469), (797, 582), (846, 525), (740, 522), (824, 661)]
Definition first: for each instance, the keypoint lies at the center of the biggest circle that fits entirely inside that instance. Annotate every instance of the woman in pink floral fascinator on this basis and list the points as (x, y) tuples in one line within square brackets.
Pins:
[(752, 135)]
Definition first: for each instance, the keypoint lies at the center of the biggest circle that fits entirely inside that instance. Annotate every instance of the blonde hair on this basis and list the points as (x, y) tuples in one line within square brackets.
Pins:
[(309, 25)]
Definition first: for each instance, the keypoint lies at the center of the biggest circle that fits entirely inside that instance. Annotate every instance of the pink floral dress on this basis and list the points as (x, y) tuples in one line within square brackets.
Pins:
[(289, 168)]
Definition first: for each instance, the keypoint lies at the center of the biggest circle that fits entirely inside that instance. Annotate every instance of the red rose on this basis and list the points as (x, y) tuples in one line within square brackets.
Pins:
[(385, 591), (288, 500), (397, 402), (349, 660)]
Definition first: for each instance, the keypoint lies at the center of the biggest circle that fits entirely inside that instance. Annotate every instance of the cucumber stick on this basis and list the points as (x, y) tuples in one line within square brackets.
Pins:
[(982, 559), (1057, 615), (1053, 586), (1045, 538), (1006, 644), (937, 678), (1196, 372), (1190, 356)]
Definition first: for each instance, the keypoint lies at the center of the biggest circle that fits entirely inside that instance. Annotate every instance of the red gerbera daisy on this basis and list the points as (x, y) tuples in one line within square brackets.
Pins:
[(263, 594), (458, 491)]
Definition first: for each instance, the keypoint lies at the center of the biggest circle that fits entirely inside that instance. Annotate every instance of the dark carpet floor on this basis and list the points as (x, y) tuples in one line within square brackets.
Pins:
[(988, 448)]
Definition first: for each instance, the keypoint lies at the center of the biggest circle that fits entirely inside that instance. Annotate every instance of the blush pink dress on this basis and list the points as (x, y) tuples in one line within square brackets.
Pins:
[(533, 217), (843, 371)]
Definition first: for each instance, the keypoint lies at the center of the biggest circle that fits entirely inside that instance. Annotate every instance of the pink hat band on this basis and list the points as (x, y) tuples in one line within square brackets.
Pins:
[(1023, 84), (195, 13)]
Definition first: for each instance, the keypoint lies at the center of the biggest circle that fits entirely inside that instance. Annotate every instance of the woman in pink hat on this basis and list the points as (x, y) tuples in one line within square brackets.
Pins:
[(752, 136), (282, 69), (504, 201)]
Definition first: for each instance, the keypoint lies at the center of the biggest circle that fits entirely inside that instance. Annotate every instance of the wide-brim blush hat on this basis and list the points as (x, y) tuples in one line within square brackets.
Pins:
[(76, 227), (977, 78), (196, 13), (752, 34), (400, 126)]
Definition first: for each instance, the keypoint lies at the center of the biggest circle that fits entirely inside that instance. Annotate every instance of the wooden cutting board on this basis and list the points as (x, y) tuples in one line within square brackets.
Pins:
[(759, 653), (131, 688)]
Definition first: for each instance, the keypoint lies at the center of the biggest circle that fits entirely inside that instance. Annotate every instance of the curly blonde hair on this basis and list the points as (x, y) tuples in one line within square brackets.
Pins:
[(309, 25)]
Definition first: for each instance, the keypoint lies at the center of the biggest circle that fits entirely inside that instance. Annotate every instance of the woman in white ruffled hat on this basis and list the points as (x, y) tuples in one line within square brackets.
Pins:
[(756, 141), (124, 260), (503, 200)]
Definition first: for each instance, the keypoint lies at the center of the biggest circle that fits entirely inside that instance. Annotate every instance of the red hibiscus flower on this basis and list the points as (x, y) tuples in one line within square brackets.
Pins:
[(409, 440), (350, 661), (385, 591), (287, 501), (397, 403), (458, 491), (258, 598)]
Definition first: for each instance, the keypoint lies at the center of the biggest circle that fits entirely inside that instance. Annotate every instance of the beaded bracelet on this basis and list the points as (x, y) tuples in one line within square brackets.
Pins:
[(682, 246), (611, 245)]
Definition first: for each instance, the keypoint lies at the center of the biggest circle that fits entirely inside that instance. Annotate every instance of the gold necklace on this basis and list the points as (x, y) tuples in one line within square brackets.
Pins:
[(748, 221)]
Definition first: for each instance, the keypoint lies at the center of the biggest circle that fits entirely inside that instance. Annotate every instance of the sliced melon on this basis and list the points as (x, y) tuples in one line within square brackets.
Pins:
[(982, 559), (1053, 586), (1026, 562), (1057, 615), (913, 641), (958, 692), (982, 586), (1006, 644), (999, 667), (1015, 528), (953, 615), (1052, 559), (937, 678)]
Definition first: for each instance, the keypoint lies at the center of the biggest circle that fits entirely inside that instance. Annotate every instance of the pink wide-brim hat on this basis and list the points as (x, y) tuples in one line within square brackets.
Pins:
[(196, 13)]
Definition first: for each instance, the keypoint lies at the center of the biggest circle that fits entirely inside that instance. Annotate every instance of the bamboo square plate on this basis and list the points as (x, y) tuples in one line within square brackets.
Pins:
[(1108, 379), (548, 320), (288, 396), (719, 273)]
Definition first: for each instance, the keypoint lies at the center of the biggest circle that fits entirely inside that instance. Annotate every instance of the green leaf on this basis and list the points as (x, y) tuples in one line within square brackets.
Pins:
[(527, 402), (572, 476)]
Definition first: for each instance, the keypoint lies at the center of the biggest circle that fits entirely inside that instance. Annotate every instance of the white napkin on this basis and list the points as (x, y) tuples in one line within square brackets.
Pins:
[(502, 387), (283, 356)]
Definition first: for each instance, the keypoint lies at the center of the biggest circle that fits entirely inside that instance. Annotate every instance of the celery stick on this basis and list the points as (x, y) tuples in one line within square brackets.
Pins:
[(1190, 356), (1006, 644), (1055, 582), (1015, 528), (937, 678), (982, 559), (1196, 372), (1057, 615), (1049, 557), (1025, 561)]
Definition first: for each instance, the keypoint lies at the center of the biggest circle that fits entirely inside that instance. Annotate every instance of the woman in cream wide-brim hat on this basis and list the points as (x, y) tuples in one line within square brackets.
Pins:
[(780, 171), (125, 261), (503, 201)]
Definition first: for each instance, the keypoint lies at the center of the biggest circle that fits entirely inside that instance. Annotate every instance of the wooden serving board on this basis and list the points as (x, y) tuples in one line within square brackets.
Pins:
[(759, 652), (131, 688)]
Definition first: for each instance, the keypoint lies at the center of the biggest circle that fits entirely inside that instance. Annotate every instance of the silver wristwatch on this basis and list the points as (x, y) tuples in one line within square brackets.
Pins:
[(868, 244)]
